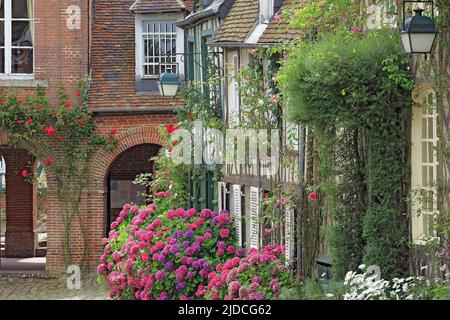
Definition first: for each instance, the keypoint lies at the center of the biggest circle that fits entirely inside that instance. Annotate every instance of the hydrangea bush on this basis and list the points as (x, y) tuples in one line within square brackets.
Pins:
[(258, 276), (158, 254)]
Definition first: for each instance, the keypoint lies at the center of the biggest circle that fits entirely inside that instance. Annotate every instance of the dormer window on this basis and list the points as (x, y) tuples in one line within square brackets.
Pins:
[(159, 49), (266, 10)]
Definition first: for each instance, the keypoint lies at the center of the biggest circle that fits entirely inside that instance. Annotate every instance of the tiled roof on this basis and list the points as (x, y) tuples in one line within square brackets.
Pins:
[(281, 30), (149, 6), (239, 22)]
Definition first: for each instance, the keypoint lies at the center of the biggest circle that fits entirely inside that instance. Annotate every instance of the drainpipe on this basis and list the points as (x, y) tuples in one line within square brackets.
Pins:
[(302, 148)]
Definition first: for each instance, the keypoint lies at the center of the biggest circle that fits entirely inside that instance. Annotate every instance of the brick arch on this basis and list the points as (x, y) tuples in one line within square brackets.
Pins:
[(96, 194), (103, 160)]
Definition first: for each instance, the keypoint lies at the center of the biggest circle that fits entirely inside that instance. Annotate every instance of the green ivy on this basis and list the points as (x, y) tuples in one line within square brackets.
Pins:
[(353, 90)]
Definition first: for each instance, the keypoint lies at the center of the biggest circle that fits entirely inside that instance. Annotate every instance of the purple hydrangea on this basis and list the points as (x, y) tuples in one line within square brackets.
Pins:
[(169, 265)]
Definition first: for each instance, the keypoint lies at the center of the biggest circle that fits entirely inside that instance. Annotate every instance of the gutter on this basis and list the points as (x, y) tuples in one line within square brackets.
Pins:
[(232, 44), (196, 17), (99, 112)]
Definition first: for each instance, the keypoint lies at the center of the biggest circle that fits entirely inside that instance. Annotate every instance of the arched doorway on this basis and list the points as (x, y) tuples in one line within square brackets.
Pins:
[(22, 212), (121, 174)]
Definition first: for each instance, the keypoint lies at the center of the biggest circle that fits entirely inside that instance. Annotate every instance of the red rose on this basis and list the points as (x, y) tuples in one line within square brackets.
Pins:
[(19, 121), (29, 121), (20, 101), (39, 107), (68, 104), (113, 131), (50, 131), (58, 138), (313, 196), (266, 196), (78, 94), (1, 101), (170, 128), (49, 161), (24, 173), (80, 103)]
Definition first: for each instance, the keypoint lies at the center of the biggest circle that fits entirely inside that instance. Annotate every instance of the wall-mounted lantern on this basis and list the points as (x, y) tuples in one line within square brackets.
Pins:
[(168, 84), (419, 32)]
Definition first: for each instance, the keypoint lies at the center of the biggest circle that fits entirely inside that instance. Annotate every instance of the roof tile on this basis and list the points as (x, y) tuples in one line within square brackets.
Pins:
[(160, 5), (280, 31), (239, 22)]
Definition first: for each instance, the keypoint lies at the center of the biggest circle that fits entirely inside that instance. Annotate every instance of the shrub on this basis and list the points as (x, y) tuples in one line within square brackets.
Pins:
[(258, 276), (310, 289), (154, 254)]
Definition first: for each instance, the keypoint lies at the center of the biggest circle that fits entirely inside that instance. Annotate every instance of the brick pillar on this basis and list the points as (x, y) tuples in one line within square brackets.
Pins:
[(19, 204)]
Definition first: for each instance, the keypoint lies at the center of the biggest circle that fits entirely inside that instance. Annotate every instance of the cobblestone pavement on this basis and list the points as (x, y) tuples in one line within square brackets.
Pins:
[(49, 289)]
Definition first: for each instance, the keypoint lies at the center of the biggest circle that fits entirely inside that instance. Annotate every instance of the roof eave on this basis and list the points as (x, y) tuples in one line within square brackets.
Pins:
[(196, 17), (232, 44)]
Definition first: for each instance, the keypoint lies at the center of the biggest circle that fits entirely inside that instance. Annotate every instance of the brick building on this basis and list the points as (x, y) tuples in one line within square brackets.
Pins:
[(123, 45)]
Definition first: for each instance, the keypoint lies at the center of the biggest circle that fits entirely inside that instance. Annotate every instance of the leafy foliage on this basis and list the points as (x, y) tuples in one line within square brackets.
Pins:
[(353, 90)]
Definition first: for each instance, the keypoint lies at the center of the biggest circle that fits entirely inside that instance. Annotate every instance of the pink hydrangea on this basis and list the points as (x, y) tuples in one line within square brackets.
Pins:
[(225, 233)]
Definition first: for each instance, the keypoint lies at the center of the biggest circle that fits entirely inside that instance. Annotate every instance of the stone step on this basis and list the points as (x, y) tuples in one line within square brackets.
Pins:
[(22, 274)]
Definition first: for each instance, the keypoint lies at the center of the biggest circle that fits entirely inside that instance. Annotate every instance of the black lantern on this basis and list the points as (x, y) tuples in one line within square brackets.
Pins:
[(419, 33)]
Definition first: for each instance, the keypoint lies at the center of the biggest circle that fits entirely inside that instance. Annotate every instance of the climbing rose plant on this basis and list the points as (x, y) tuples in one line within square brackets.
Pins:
[(62, 138), (157, 254)]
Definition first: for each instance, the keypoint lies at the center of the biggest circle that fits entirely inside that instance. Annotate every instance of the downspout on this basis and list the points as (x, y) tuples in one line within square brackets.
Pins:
[(302, 149)]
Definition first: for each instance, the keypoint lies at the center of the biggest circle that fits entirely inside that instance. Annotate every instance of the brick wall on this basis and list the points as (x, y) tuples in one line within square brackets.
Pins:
[(19, 204), (62, 56), (61, 53), (113, 59)]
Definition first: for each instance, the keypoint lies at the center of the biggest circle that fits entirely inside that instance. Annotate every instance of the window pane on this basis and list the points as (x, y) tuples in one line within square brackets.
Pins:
[(2, 9), (2, 33), (430, 128), (424, 152), (21, 10), (2, 60), (22, 61), (431, 152), (424, 176), (424, 128), (21, 34)]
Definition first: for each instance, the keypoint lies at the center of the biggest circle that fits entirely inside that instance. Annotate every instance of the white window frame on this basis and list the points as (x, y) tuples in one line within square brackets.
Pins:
[(139, 40), (429, 117), (7, 20), (233, 89)]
